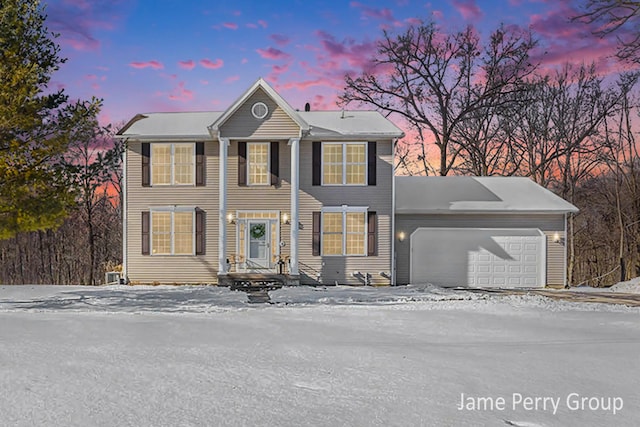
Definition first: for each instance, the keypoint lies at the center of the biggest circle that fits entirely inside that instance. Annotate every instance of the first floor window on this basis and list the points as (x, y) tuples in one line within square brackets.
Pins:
[(344, 231), (172, 232)]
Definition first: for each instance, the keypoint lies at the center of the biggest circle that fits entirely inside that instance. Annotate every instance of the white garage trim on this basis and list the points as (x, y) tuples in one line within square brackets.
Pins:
[(478, 257)]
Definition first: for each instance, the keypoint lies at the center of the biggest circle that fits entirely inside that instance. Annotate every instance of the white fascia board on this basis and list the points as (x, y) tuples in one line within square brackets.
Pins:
[(190, 138)]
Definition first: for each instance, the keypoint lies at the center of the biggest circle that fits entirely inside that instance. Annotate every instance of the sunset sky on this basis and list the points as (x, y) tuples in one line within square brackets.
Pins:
[(176, 55)]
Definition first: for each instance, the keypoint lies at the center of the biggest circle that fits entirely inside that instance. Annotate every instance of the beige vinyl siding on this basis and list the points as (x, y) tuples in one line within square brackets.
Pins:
[(259, 197), (549, 224), (171, 269), (378, 198), (277, 124)]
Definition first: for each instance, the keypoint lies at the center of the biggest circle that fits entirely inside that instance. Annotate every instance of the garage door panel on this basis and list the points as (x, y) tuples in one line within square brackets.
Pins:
[(478, 257)]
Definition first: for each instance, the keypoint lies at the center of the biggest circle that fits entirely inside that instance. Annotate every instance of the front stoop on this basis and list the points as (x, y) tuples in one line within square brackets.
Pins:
[(257, 285)]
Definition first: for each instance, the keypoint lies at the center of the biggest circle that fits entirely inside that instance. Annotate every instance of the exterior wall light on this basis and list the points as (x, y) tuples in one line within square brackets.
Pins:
[(231, 219), (285, 219), (401, 236)]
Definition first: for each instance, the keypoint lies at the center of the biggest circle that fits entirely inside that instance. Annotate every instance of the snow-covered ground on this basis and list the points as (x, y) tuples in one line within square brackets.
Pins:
[(168, 356), (631, 286)]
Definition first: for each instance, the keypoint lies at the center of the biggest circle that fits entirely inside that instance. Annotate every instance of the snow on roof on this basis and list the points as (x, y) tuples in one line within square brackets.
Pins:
[(170, 125), (323, 124), (350, 123), (468, 194)]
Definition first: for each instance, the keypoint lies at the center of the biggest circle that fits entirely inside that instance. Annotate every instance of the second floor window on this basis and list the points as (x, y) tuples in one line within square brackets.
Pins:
[(173, 163), (344, 163), (258, 163)]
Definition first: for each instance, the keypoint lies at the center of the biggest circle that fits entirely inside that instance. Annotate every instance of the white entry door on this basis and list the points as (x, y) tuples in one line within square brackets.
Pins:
[(258, 244)]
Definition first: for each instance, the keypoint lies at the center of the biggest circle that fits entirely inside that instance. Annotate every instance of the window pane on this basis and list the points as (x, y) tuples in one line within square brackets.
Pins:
[(356, 233), (355, 222), (356, 153), (183, 233), (161, 232), (332, 222), (161, 164), (332, 233), (184, 169), (355, 244), (355, 174), (258, 158), (332, 165), (356, 163), (332, 244)]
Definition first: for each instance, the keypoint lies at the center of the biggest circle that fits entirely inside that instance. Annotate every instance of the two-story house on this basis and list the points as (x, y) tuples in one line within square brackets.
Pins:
[(262, 189), (259, 188)]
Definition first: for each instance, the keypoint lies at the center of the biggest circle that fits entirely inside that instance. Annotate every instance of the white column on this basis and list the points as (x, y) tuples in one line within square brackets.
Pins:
[(295, 190), (222, 219)]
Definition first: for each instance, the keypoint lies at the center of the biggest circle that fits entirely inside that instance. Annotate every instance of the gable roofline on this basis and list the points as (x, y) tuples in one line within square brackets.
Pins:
[(259, 84)]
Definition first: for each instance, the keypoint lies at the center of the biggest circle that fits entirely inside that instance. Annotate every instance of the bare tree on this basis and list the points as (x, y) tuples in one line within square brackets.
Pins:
[(619, 17), (435, 82)]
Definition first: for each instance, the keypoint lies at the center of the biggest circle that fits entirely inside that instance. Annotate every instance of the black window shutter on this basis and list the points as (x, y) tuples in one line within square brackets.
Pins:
[(199, 232), (242, 163), (146, 164), (145, 233), (372, 225), (275, 165), (371, 162), (316, 228), (199, 164), (316, 158)]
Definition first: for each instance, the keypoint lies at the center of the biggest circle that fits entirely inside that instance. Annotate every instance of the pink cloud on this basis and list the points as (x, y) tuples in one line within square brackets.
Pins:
[(306, 84), (413, 21), (252, 25), (236, 13), (272, 53), (212, 65), (468, 9), (180, 93), (384, 14), (230, 25), (232, 79), (187, 65), (156, 65), (244, 61), (262, 23), (280, 39)]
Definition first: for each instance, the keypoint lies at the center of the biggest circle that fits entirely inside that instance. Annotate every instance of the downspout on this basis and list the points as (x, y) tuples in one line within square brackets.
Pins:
[(565, 284), (393, 211), (124, 207)]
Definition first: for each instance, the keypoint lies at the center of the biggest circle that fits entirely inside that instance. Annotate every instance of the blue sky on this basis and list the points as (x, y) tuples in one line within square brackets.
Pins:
[(175, 55)]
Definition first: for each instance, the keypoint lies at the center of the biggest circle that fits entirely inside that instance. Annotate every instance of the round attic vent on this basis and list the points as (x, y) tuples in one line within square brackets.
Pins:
[(259, 110)]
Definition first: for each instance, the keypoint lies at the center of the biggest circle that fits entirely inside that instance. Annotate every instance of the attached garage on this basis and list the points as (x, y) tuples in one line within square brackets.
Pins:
[(504, 232)]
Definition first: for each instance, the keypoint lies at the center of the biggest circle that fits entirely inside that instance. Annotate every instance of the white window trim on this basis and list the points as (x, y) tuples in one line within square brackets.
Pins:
[(249, 145), (173, 210), (344, 162), (344, 209), (173, 164)]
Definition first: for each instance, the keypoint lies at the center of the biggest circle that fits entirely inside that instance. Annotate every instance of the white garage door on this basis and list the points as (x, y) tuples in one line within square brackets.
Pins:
[(478, 257)]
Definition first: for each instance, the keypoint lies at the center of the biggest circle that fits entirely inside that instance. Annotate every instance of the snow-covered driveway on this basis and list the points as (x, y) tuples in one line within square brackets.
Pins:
[(337, 356)]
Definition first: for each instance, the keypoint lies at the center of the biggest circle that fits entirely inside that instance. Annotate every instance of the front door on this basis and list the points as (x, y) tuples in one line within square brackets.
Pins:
[(258, 244)]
